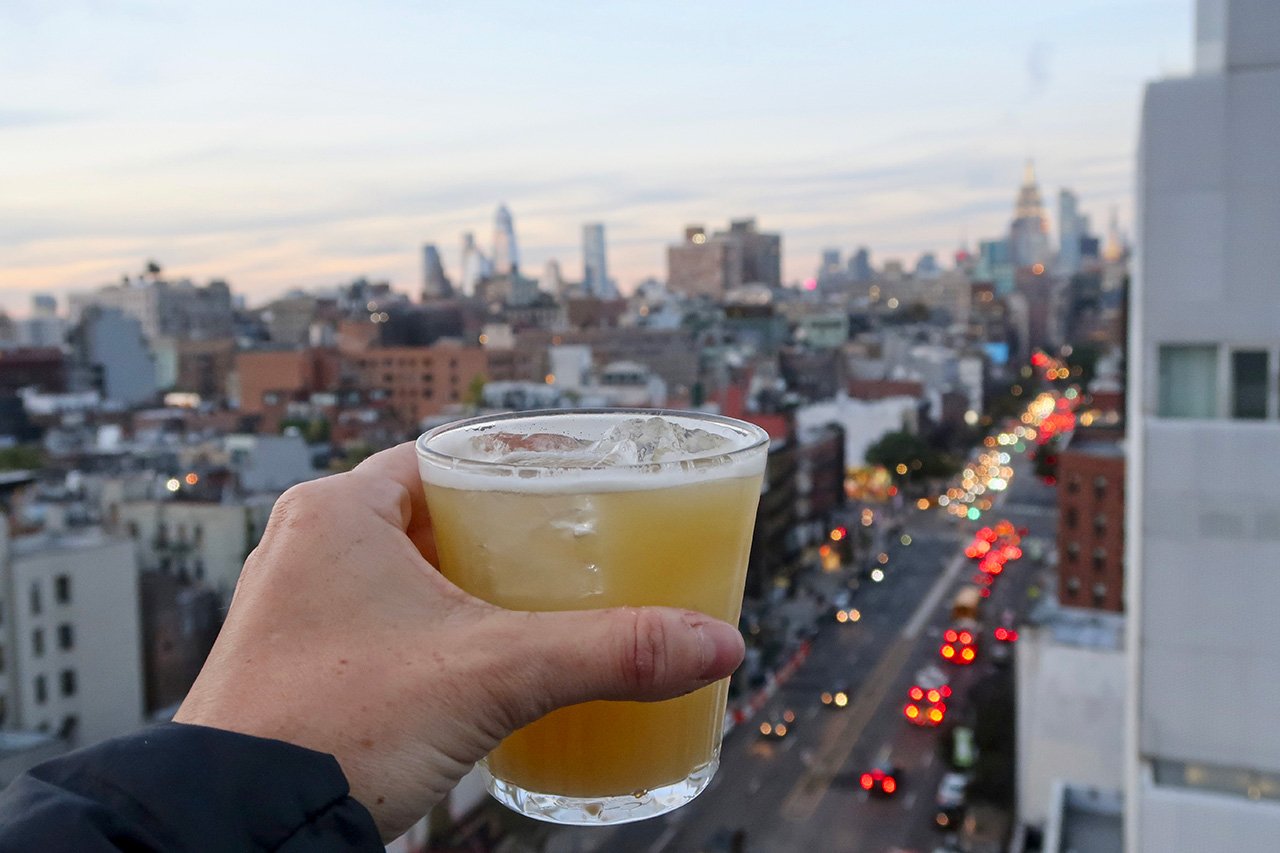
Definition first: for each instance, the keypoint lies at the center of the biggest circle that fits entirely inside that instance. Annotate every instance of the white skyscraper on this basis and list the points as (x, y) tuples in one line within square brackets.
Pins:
[(475, 266), (1203, 510), (595, 269), (506, 257)]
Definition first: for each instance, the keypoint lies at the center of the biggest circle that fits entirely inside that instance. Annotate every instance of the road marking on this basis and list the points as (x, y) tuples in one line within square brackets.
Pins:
[(926, 608), (839, 740)]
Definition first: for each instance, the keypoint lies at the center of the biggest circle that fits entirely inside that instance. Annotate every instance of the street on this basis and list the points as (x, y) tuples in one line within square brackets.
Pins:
[(801, 793)]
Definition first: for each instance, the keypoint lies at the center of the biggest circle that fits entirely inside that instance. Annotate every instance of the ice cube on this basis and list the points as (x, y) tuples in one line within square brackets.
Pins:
[(509, 446), (654, 439)]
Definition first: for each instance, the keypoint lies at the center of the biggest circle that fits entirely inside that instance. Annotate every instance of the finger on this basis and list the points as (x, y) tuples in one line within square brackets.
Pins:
[(639, 654), (399, 465)]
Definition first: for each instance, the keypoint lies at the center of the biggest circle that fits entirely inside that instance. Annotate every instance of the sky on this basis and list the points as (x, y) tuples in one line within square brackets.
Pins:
[(285, 144)]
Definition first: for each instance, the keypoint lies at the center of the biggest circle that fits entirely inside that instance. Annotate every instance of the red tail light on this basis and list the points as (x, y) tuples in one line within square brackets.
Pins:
[(916, 693), (950, 636), (866, 781), (967, 654), (912, 712), (934, 696), (935, 715), (888, 785), (948, 652), (1002, 634), (986, 592), (966, 637), (946, 691), (1013, 635)]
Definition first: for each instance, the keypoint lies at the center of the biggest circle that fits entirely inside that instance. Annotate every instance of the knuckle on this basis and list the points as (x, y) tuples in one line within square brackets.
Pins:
[(646, 663)]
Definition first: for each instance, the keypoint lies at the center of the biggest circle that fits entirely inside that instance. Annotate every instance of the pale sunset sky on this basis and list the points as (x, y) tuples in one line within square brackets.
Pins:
[(286, 144)]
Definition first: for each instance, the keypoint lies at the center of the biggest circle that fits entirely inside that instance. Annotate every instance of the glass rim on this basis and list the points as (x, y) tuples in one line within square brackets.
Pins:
[(759, 439)]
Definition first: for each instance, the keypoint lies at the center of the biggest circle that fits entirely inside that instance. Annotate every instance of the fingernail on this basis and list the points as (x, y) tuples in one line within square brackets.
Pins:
[(722, 646)]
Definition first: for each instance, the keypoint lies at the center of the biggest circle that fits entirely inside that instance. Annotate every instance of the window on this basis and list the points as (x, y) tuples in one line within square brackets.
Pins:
[(68, 679), (42, 691), (1099, 487), (1100, 525), (1073, 485), (1099, 593), (1072, 518), (133, 530), (1099, 559), (62, 589), (1073, 585), (1249, 384), (66, 637), (37, 642), (1073, 551), (1188, 381), (35, 598)]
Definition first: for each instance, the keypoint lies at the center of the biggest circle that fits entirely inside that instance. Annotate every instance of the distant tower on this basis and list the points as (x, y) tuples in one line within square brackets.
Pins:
[(1029, 232), (595, 269), (1114, 250), (551, 281), (475, 266), (435, 284), (1070, 230), (860, 265), (506, 258)]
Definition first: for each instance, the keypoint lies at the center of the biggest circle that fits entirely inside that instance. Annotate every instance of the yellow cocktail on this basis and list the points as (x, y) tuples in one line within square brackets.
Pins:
[(552, 511)]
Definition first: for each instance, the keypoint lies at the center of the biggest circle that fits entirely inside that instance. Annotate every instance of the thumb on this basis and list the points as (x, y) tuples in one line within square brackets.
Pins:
[(626, 653)]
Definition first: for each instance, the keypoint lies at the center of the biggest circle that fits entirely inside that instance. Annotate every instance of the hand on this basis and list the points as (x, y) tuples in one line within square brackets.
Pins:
[(343, 638)]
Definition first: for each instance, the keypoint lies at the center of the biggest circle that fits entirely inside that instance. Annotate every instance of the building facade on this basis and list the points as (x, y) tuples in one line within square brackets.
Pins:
[(1203, 757), (595, 267), (1091, 524)]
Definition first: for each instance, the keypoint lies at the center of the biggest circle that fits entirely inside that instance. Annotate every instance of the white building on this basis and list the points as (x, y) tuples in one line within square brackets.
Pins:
[(1202, 744), (864, 421), (72, 638), (1071, 677)]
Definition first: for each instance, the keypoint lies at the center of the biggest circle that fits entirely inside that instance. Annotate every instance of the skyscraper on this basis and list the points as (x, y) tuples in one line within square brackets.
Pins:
[(475, 266), (860, 265), (1070, 230), (435, 284), (506, 258), (1029, 231), (595, 271), (1203, 518)]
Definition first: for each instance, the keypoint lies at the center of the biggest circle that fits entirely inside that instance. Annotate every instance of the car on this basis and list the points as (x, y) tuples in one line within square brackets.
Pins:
[(960, 643), (926, 705), (882, 780), (964, 752), (951, 801), (779, 726), (838, 697)]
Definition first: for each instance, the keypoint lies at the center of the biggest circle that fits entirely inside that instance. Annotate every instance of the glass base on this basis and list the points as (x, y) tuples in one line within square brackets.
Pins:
[(600, 811)]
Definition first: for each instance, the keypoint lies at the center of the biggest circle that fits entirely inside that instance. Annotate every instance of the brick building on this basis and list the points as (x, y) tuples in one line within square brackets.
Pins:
[(269, 379), (418, 382), (1091, 522)]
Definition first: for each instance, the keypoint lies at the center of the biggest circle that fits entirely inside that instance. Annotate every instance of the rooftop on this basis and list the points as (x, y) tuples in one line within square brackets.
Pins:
[(1075, 626)]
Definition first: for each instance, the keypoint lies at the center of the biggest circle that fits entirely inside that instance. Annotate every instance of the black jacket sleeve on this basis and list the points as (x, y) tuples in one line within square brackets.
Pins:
[(177, 787)]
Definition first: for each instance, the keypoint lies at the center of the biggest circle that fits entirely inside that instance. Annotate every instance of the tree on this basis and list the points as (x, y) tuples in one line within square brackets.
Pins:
[(475, 391), (907, 456)]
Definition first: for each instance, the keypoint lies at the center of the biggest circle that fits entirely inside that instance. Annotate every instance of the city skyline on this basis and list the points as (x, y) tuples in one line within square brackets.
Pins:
[(333, 146)]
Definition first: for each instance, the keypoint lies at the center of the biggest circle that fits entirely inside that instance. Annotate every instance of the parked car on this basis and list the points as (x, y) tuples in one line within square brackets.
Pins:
[(951, 801)]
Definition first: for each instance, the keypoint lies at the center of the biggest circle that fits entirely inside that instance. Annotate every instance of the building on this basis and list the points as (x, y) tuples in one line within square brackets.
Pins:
[(1071, 230), (269, 379), (1203, 750), (177, 309), (110, 355), (506, 257), (1071, 673), (71, 635), (435, 284), (1029, 231), (595, 269), (419, 382), (1091, 522), (860, 265), (474, 265), (42, 368), (710, 265), (44, 328)]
